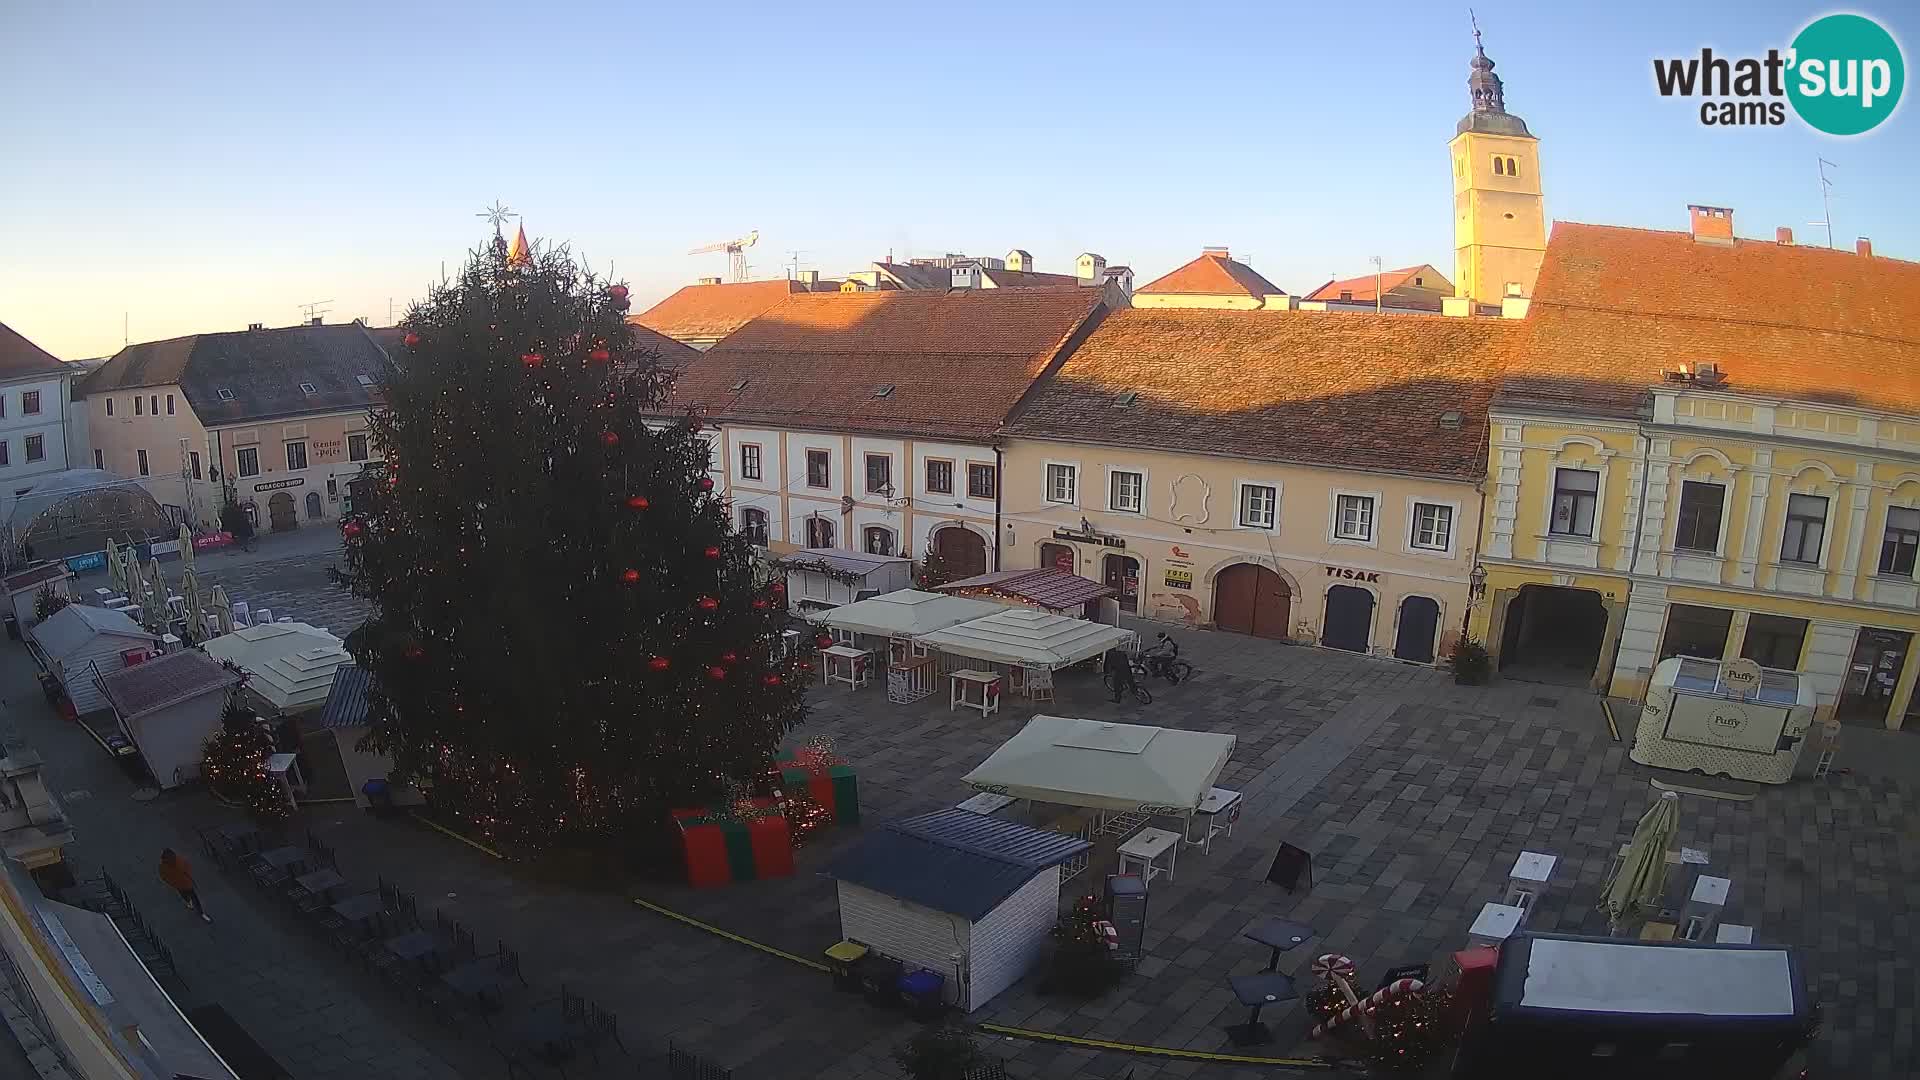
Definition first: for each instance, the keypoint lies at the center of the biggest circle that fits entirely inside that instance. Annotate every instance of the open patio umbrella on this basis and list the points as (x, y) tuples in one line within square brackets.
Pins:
[(1640, 879), (196, 610), (222, 609), (186, 545), (116, 577)]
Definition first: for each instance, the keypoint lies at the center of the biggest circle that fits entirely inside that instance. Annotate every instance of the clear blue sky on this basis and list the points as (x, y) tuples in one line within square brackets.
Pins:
[(199, 166)]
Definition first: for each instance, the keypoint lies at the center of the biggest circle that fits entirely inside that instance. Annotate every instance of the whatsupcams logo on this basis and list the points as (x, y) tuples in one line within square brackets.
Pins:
[(1843, 75)]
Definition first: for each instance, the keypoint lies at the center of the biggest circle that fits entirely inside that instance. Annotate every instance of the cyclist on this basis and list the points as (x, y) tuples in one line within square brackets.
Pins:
[(1163, 652), (1119, 668)]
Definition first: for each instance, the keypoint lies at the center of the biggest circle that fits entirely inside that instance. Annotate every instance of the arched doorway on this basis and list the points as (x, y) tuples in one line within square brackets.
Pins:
[(280, 512), (1057, 557), (1419, 618), (1553, 634), (962, 549), (1121, 573), (1349, 622), (313, 506), (1249, 599)]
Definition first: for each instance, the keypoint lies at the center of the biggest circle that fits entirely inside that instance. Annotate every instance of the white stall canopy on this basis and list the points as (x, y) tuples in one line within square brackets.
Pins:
[(1028, 638), (908, 613), (290, 665), (1123, 767)]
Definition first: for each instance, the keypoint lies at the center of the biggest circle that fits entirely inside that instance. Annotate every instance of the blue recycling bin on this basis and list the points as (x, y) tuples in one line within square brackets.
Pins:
[(921, 993)]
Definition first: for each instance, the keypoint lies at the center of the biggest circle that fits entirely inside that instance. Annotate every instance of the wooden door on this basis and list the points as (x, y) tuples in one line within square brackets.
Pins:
[(1122, 574), (1419, 618), (1349, 622), (962, 550), (280, 512), (1057, 557), (1249, 599)]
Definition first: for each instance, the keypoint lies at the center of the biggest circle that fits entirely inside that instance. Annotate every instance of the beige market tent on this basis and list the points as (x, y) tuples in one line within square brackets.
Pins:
[(908, 613), (289, 665), (1029, 638), (1118, 767)]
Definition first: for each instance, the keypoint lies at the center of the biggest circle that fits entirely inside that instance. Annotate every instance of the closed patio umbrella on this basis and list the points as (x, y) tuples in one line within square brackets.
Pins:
[(196, 610), (186, 545), (131, 582), (1640, 879), (157, 614), (222, 609), (116, 577)]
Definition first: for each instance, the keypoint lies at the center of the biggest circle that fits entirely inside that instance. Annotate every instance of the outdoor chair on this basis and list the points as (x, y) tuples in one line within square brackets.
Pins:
[(441, 923), (268, 877), (408, 909), (601, 1026), (389, 894), (463, 947), (508, 961), (573, 1007)]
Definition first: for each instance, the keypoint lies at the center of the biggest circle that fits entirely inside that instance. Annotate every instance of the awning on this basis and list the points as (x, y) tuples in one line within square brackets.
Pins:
[(1047, 587), (1028, 637), (908, 613), (1124, 767), (290, 665), (857, 563)]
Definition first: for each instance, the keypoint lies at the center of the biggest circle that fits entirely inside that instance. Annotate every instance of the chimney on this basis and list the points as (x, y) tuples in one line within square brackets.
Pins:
[(1783, 236), (807, 277), (1712, 224), (706, 281), (315, 321), (1863, 247), (256, 326), (1216, 251)]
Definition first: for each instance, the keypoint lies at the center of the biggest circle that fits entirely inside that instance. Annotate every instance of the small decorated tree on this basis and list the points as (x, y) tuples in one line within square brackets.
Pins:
[(934, 571), (46, 602), (940, 1053), (235, 763), (1083, 959)]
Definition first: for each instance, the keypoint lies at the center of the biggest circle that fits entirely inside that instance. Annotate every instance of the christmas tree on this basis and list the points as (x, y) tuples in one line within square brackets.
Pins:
[(234, 760), (568, 639)]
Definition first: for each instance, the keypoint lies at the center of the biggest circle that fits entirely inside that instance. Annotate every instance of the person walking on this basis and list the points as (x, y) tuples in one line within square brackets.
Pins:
[(1120, 672), (175, 872)]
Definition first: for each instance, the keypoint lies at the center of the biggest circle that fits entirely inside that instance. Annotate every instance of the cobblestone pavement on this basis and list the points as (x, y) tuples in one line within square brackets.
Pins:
[(1413, 794)]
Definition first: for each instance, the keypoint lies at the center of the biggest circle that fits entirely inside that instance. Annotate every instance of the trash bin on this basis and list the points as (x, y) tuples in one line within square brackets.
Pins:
[(920, 992), (879, 978), (842, 957), (379, 795)]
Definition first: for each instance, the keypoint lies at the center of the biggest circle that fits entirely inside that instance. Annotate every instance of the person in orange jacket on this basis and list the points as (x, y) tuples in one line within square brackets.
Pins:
[(175, 872)]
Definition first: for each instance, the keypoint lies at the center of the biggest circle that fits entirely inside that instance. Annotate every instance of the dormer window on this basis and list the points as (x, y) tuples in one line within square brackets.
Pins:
[(225, 394), (883, 391), (1126, 400), (738, 386), (309, 388), (364, 380)]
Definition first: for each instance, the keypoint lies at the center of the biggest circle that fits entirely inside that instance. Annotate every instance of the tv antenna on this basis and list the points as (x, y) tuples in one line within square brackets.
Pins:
[(793, 263), (1826, 200), (497, 215), (314, 310)]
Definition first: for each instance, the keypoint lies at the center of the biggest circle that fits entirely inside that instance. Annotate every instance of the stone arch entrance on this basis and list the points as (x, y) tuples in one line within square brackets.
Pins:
[(313, 506), (280, 512), (1553, 634), (1058, 557), (1349, 621), (1419, 622), (962, 549), (1250, 599), (1121, 573)]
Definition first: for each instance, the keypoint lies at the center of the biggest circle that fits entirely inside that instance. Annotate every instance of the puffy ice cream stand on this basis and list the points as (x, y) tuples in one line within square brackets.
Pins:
[(1724, 718)]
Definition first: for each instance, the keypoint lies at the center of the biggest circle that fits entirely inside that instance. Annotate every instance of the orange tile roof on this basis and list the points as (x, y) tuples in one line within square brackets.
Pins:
[(957, 360), (1616, 308), (1352, 390), (706, 312), (1361, 288), (1027, 279), (1214, 274), (18, 356)]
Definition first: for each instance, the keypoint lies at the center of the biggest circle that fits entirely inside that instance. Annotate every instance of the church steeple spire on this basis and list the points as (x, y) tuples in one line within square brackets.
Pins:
[(1487, 93)]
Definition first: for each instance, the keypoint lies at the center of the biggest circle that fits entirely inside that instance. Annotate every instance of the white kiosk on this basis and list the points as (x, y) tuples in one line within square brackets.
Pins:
[(1724, 718)]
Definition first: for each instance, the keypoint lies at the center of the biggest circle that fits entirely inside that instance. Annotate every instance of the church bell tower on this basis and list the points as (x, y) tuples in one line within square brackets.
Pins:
[(1499, 216)]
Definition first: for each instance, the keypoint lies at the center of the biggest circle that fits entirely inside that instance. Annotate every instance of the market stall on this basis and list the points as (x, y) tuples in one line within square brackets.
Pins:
[(1050, 589), (168, 708), (967, 897), (903, 618), (1726, 718), (822, 578), (78, 642), (344, 717), (1121, 768), (23, 590), (1025, 639), (289, 665)]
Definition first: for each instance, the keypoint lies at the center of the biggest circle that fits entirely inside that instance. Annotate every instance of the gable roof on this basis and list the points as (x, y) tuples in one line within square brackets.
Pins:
[(1214, 273), (75, 626), (1615, 309), (1026, 279), (34, 576), (291, 665), (1355, 390), (953, 860), (18, 356), (263, 369), (703, 312), (1361, 288), (163, 682), (957, 360)]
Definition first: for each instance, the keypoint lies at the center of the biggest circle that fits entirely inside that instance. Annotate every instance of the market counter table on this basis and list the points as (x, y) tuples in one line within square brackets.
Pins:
[(960, 693)]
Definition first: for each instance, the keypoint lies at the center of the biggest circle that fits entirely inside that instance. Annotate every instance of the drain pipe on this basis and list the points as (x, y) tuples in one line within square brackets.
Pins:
[(999, 488)]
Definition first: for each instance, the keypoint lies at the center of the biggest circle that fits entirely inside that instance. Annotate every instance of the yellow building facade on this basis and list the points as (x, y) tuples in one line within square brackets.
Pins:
[(1730, 473), (1499, 215)]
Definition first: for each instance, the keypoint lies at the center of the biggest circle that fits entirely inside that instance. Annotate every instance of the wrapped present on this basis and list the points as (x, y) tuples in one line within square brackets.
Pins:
[(740, 843), (826, 778)]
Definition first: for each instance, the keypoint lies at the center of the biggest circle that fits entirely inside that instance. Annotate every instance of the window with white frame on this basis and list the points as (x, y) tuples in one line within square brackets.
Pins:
[(1576, 494), (36, 446), (1353, 517), (819, 532), (141, 457), (297, 454), (1063, 483), (749, 461), (1259, 506), (1126, 492), (247, 459), (819, 474), (753, 526), (1901, 543), (1806, 529), (1432, 526), (879, 540), (880, 475)]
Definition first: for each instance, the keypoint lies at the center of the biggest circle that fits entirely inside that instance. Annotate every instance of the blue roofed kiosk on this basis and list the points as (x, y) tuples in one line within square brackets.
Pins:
[(966, 896)]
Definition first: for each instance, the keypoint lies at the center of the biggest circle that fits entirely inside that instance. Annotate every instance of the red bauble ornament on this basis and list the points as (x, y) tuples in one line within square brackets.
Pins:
[(414, 652), (351, 530), (771, 680), (708, 603), (630, 575), (618, 292), (532, 359), (806, 665), (760, 605), (599, 356), (823, 640), (412, 340), (728, 657), (716, 673), (712, 553), (638, 502), (609, 438), (706, 483), (777, 588), (659, 663)]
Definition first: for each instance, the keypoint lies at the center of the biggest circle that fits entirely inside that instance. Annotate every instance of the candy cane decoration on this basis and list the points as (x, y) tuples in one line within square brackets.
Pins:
[(1395, 989), (1327, 965)]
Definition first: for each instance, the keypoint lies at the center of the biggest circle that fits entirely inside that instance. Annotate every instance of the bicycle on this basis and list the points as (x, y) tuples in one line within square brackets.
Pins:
[(1140, 692)]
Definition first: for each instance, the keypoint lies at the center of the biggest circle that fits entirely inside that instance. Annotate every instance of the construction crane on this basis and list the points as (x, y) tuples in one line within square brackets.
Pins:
[(736, 253)]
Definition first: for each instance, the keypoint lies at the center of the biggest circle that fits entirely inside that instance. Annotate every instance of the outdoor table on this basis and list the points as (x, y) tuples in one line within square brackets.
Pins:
[(103, 595), (1496, 923), (282, 857), (544, 1032), (986, 803), (119, 603), (1733, 934), (1278, 935), (320, 881), (1146, 846), (857, 665), (239, 834), (1529, 877), (957, 697), (414, 945), (1257, 992), (358, 909), (1217, 805), (477, 978)]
